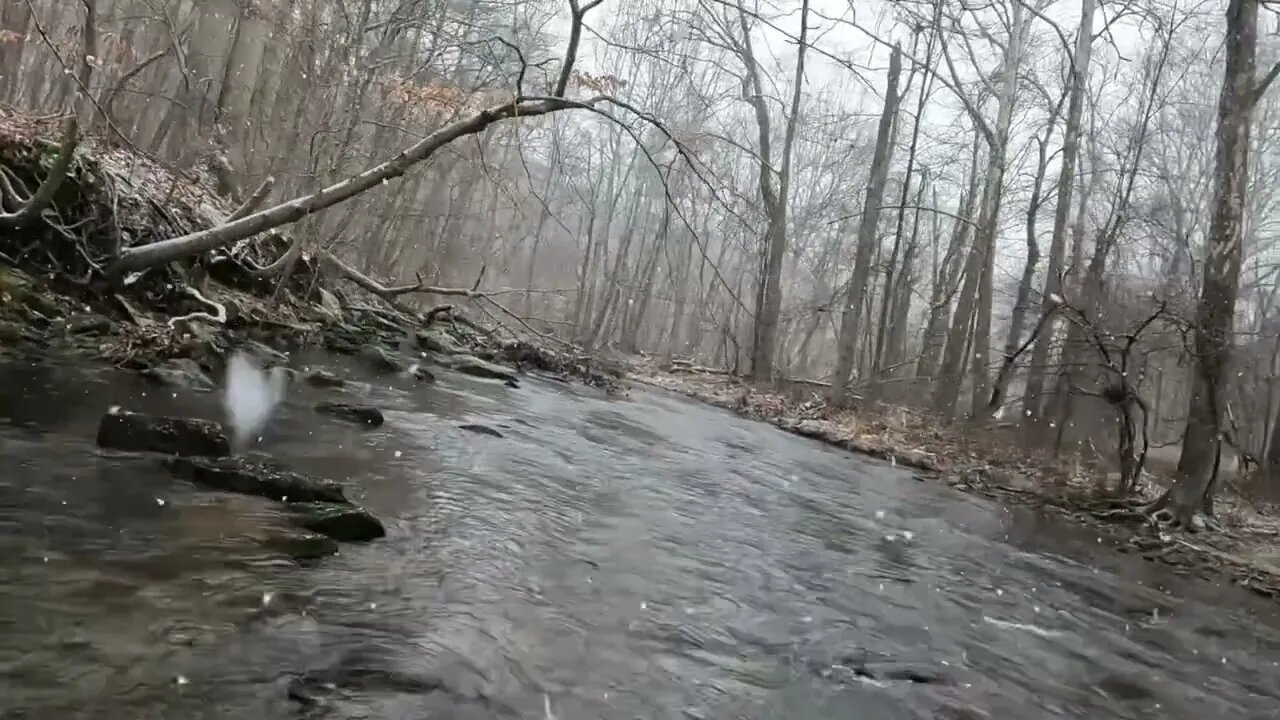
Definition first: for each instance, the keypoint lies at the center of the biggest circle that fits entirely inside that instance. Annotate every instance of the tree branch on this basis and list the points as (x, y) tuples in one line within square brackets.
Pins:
[(1261, 89), (165, 251)]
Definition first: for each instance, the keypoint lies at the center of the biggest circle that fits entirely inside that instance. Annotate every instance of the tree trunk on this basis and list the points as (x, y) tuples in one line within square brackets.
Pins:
[(975, 295), (1215, 312), (847, 341), (769, 298), (1031, 398), (948, 275)]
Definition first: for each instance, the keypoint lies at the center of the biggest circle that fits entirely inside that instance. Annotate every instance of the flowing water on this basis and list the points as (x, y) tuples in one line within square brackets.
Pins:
[(607, 558)]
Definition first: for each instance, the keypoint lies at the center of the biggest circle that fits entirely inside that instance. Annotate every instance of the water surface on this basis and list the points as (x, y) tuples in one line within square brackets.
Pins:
[(642, 558)]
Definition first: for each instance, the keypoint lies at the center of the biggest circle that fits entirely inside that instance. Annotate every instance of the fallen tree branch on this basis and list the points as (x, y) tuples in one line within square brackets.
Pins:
[(254, 200), (33, 207), (107, 103), (290, 211), (391, 291)]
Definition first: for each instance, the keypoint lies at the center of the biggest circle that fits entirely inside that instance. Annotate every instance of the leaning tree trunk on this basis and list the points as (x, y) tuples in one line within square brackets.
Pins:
[(847, 343), (1215, 312)]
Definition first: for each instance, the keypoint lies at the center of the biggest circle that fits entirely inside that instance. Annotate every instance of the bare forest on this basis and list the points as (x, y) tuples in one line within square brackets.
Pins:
[(1057, 217)]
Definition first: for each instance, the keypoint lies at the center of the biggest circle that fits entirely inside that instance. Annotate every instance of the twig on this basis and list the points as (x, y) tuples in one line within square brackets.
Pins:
[(109, 98)]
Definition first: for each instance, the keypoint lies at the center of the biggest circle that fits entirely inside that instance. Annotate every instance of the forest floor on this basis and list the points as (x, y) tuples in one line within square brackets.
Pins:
[(992, 462)]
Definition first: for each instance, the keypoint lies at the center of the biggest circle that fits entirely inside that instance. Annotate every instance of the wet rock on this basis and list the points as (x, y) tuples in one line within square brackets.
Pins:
[(323, 378), (1126, 689), (342, 522), (264, 354), (480, 429), (359, 414), (301, 545), (511, 383), (329, 303), (379, 359), (907, 672), (180, 372), (121, 430), (14, 332), (884, 670), (438, 340), (87, 324), (252, 478), (18, 288), (475, 367), (305, 692), (421, 374)]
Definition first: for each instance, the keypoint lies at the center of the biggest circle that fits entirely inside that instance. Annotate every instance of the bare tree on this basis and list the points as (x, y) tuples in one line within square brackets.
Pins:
[(868, 227), (1215, 312)]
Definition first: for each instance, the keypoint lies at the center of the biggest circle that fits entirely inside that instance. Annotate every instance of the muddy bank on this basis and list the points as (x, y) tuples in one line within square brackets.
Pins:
[(987, 463)]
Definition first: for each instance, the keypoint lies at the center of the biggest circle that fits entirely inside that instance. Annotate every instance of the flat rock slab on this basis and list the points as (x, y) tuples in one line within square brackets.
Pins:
[(379, 359), (323, 378), (251, 478), (438, 340), (342, 522), (475, 367), (480, 429), (359, 414), (122, 430)]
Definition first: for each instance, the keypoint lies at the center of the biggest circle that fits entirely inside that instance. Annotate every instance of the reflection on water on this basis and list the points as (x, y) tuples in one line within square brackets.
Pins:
[(649, 558)]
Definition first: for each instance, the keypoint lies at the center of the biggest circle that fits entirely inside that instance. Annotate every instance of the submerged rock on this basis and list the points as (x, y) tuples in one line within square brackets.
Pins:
[(421, 374), (121, 430), (475, 367), (323, 378), (180, 372), (359, 414), (252, 478), (480, 429), (342, 522), (301, 545), (87, 324), (379, 359)]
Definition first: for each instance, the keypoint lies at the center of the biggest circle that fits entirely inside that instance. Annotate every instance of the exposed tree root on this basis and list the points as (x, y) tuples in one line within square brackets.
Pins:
[(219, 315)]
